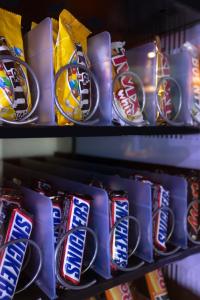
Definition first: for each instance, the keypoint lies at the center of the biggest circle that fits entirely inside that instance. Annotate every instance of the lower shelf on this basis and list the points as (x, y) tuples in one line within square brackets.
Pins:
[(34, 293)]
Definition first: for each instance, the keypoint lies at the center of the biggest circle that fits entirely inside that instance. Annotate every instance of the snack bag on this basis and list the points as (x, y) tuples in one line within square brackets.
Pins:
[(15, 101), (119, 292), (156, 285), (73, 86)]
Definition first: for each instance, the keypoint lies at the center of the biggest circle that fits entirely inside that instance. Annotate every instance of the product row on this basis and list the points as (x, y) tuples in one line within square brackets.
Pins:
[(155, 282), (107, 219), (59, 74)]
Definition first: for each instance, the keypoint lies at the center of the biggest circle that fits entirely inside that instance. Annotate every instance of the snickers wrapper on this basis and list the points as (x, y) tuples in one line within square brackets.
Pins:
[(45, 188), (125, 90), (160, 222), (119, 244), (17, 224), (156, 285), (57, 205), (193, 218), (76, 213)]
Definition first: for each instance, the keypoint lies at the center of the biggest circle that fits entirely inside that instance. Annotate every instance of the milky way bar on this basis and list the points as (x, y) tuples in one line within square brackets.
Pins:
[(11, 259), (76, 213), (119, 246), (160, 222)]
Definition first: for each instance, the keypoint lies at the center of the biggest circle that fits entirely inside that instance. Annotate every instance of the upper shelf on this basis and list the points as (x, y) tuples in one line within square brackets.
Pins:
[(86, 131)]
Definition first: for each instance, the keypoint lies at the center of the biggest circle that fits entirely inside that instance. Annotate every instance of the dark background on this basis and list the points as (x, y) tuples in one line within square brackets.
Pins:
[(130, 20)]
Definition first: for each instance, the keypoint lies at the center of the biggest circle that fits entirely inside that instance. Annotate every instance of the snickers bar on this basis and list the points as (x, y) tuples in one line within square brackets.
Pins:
[(57, 197), (193, 217), (119, 246), (11, 259), (160, 222), (57, 204), (76, 213)]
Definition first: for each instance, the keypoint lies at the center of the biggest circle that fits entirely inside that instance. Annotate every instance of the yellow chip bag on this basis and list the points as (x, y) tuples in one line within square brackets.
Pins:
[(15, 101), (73, 86)]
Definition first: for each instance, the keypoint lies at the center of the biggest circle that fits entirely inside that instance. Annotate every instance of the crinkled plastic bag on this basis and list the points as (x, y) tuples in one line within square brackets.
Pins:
[(73, 86), (15, 100)]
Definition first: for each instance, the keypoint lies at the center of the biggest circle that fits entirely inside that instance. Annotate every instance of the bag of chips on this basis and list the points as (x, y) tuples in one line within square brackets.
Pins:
[(15, 100), (73, 86)]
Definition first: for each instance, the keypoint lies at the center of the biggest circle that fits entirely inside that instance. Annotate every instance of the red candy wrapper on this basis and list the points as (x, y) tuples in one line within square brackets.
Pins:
[(193, 217), (15, 224), (125, 89)]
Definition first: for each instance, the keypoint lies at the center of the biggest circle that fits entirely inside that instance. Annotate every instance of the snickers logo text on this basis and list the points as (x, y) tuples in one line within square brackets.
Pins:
[(57, 215), (160, 223), (120, 209), (12, 258), (74, 246)]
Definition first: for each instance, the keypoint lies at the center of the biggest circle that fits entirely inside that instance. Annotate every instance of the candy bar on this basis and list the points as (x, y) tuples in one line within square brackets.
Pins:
[(11, 259), (193, 217), (76, 213), (119, 292), (119, 208), (125, 89), (156, 285), (45, 188), (160, 222), (164, 92)]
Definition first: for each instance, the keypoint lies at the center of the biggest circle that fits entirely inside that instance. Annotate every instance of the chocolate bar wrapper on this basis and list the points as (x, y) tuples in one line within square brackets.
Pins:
[(119, 208), (19, 225), (164, 92), (125, 90), (156, 285), (73, 86), (193, 218), (160, 222), (57, 204), (57, 197), (75, 214), (15, 100)]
